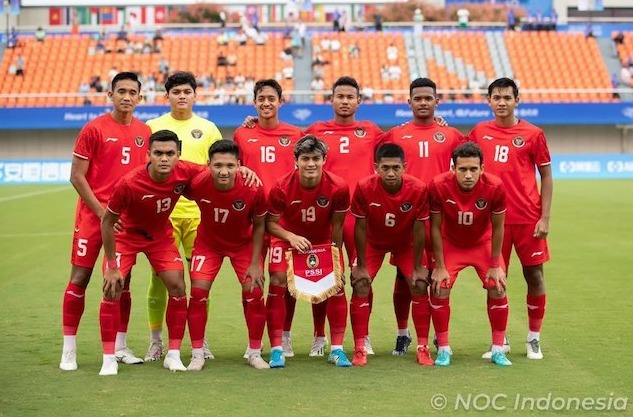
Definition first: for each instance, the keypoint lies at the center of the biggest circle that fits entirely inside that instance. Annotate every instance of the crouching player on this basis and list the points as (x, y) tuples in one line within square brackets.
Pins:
[(390, 208), (467, 219), (144, 199), (232, 225), (306, 207)]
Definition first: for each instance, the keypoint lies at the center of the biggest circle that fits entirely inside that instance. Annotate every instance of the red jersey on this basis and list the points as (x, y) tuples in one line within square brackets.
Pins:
[(466, 214), (350, 148), (308, 212), (268, 152), (227, 216), (113, 149), (390, 217), (145, 205), (427, 149), (512, 153)]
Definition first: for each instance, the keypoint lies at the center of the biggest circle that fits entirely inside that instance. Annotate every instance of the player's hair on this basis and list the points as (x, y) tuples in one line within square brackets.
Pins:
[(224, 146), (309, 144), (259, 86), (180, 78), (467, 150), (164, 136), (345, 80), (126, 75), (389, 150), (422, 82), (504, 83)]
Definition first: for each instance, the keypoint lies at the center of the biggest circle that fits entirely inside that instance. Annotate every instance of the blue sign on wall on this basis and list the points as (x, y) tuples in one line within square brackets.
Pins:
[(304, 115)]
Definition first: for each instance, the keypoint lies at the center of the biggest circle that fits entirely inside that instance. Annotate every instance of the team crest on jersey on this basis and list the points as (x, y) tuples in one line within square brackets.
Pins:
[(359, 132), (179, 188), (323, 202), (518, 142), (196, 133), (312, 261), (139, 141), (239, 205), (284, 140), (439, 137), (481, 203), (405, 207)]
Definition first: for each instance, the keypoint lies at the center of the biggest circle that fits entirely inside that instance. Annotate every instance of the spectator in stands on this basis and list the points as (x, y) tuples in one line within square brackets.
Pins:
[(163, 65), (223, 38), (336, 21), (384, 73), (392, 53), (367, 94), (325, 44), (96, 84), (241, 38), (418, 19), (40, 34), (286, 54), (302, 29), (231, 59), (157, 41), (511, 19), (147, 45), (222, 19), (19, 65), (335, 45), (221, 60), (319, 59), (317, 84), (378, 22), (589, 31), (619, 38), (13, 40), (288, 72), (353, 50), (260, 37), (112, 73), (84, 87), (122, 34), (463, 18), (625, 76), (395, 72), (344, 22), (615, 83), (295, 43), (553, 16)]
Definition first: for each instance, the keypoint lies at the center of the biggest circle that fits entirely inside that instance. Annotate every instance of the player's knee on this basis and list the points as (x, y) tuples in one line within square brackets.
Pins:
[(534, 275), (278, 279), (80, 276), (420, 288), (494, 294), (361, 288)]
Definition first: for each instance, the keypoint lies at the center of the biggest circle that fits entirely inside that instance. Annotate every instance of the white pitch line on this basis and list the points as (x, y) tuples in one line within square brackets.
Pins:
[(33, 194), (34, 234)]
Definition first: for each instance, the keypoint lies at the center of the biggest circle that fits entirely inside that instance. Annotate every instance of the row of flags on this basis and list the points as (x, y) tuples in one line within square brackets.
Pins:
[(13, 7), (130, 16)]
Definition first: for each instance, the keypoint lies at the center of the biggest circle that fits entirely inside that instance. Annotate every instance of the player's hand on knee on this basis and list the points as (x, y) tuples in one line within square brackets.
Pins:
[(498, 277), (113, 282), (256, 276), (420, 277), (438, 277)]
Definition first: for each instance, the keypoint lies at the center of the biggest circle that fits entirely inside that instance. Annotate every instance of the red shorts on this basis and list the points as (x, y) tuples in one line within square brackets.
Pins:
[(86, 238), (428, 258), (161, 258), (400, 258), (206, 262), (348, 236), (530, 250), (457, 258)]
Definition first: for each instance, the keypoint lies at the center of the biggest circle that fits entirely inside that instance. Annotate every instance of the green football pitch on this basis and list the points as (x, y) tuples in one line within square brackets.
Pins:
[(587, 369)]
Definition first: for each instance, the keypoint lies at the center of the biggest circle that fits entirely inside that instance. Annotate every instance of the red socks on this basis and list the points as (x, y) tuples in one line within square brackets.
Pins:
[(109, 319), (176, 319), (359, 313), (255, 314), (126, 307), (401, 300), (319, 313), (337, 316), (441, 315), (498, 316), (291, 303), (275, 313), (535, 311), (421, 317), (197, 317), (72, 308)]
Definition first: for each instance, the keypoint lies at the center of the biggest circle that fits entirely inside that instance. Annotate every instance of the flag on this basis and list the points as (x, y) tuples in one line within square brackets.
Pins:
[(15, 7), (55, 16), (108, 15), (133, 16), (160, 14)]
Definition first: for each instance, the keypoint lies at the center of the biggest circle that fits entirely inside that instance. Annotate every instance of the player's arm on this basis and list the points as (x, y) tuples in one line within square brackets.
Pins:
[(78, 170), (255, 271), (112, 280), (440, 274), (420, 273), (297, 242), (359, 271), (250, 178), (547, 190), (496, 271)]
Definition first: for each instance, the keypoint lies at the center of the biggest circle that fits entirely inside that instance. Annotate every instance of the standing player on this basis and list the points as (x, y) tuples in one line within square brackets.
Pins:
[(390, 209), (512, 149), (196, 135), (351, 146), (427, 148), (307, 207), (467, 213), (145, 198), (106, 149), (267, 148), (232, 225)]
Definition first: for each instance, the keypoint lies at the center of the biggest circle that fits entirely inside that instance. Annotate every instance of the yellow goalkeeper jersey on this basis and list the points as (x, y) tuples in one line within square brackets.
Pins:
[(196, 136)]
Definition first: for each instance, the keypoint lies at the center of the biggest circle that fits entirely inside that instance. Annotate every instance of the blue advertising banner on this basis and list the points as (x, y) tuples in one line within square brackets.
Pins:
[(304, 115), (564, 166)]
